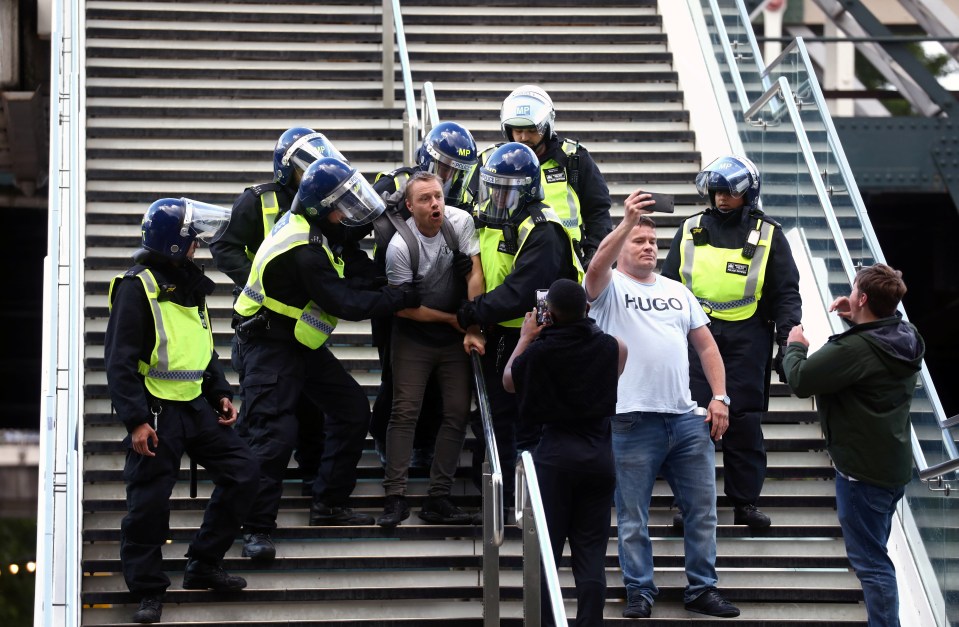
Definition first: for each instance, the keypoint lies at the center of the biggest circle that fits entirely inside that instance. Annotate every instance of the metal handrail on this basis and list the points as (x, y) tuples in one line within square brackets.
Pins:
[(431, 115), (492, 451), (531, 517), (750, 112), (57, 596), (798, 47), (393, 23), (493, 532)]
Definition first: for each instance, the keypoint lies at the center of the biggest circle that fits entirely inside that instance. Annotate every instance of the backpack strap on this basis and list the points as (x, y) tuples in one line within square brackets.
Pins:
[(449, 236), (412, 244)]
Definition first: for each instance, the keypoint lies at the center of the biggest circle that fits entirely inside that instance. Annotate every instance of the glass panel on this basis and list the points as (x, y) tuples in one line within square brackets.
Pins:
[(783, 138)]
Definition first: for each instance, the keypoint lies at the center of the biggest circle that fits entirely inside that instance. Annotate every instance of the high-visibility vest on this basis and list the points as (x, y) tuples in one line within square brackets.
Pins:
[(269, 210), (726, 284), (498, 262), (183, 347), (313, 325)]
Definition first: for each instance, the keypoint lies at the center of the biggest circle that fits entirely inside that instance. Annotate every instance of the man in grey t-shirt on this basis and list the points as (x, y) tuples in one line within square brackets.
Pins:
[(427, 340)]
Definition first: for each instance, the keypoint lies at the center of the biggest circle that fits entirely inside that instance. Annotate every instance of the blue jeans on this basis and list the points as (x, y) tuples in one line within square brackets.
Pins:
[(865, 515), (678, 447)]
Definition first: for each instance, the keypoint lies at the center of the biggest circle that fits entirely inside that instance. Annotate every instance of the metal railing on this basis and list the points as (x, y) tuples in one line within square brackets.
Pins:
[(393, 26), (57, 598), (779, 102), (785, 126), (537, 548), (493, 528)]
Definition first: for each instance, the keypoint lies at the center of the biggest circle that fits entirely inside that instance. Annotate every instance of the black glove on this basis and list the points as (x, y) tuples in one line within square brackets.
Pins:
[(410, 297), (367, 282), (588, 256), (778, 363), (466, 315), (462, 264)]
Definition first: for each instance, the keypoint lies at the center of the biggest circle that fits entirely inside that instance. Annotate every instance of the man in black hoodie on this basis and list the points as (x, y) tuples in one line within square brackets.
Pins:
[(574, 458), (864, 380)]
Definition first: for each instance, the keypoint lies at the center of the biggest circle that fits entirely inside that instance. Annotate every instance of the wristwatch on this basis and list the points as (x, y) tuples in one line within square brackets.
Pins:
[(722, 398)]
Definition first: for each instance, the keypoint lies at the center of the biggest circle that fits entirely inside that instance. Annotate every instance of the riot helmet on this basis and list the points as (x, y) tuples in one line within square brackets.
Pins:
[(509, 180), (734, 175), (528, 106), (450, 153), (171, 225), (298, 147), (329, 184)]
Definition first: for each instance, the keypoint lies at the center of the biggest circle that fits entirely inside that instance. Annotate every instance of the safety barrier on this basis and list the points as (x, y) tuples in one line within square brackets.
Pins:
[(777, 108), (61, 430), (493, 531)]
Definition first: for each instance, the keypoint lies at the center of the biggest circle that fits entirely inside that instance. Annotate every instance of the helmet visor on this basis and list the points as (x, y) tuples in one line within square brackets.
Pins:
[(308, 149), (724, 175), (454, 176), (357, 200), (206, 222), (498, 197)]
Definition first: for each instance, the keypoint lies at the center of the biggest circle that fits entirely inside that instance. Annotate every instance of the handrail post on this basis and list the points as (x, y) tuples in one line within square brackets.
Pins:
[(491, 599), (493, 532), (389, 33), (536, 541), (531, 555)]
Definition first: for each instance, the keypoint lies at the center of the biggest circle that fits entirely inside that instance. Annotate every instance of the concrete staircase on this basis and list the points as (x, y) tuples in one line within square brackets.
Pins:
[(187, 98)]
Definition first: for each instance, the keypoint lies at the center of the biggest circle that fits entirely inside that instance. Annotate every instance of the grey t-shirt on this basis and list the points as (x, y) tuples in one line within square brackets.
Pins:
[(440, 287)]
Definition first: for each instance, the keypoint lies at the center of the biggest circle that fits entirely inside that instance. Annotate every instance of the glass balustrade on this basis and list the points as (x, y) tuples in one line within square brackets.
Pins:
[(786, 129)]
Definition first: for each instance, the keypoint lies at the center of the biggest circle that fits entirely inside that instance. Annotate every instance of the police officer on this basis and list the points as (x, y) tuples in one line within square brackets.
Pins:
[(523, 247), (255, 211), (290, 305), (572, 183), (737, 262), (449, 152), (168, 388)]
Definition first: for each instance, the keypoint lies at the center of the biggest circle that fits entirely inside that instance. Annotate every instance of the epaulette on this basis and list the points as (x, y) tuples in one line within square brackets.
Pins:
[(262, 188), (132, 272), (536, 213), (759, 213)]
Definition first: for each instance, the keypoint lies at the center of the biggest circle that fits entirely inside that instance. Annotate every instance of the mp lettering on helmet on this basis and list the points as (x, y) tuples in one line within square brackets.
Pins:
[(464, 152), (522, 109)]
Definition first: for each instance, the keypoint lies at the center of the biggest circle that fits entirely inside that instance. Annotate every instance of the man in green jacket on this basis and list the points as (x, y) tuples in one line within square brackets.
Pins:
[(864, 380)]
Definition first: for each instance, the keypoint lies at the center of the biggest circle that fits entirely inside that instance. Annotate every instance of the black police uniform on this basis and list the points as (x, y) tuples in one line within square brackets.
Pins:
[(182, 426), (245, 233), (746, 347), (431, 411), (544, 257), (279, 370)]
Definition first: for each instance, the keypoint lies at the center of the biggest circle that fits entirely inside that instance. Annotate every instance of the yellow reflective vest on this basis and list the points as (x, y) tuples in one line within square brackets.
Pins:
[(726, 284), (269, 210), (499, 263), (313, 325), (183, 347)]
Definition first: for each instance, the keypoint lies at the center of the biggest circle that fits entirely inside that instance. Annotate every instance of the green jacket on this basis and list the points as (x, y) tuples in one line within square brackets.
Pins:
[(863, 380)]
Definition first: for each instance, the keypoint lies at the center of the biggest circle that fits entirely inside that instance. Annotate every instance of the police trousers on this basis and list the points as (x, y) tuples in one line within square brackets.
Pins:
[(746, 347), (278, 373), (191, 428)]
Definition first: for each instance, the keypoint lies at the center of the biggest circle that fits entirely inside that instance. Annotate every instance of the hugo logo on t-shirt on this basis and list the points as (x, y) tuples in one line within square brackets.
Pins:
[(653, 304)]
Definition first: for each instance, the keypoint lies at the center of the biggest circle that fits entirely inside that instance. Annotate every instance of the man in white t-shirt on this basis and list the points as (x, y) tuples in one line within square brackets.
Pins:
[(656, 429), (427, 341)]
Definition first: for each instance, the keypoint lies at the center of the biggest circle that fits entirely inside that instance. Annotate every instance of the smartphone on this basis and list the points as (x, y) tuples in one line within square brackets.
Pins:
[(664, 203), (542, 313)]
